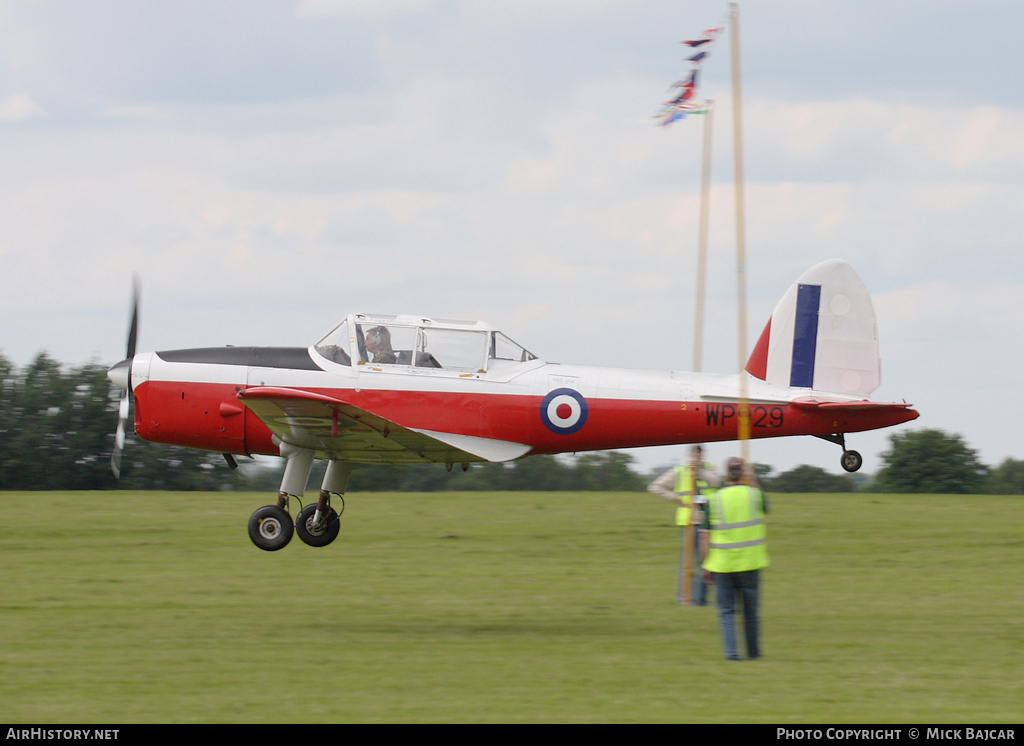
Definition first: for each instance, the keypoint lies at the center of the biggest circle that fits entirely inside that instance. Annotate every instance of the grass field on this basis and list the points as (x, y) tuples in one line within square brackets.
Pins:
[(513, 607)]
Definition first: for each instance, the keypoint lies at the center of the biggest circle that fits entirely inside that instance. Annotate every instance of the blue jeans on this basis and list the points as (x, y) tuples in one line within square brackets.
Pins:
[(733, 586), (700, 589)]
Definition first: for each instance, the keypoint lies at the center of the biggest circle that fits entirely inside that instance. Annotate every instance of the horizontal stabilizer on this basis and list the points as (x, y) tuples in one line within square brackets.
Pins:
[(810, 402)]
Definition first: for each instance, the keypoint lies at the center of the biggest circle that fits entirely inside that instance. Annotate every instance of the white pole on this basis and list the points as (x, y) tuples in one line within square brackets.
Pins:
[(689, 533), (741, 238), (702, 242)]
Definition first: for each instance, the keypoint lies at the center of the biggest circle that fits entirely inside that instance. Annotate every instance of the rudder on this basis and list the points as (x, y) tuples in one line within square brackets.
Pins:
[(822, 335)]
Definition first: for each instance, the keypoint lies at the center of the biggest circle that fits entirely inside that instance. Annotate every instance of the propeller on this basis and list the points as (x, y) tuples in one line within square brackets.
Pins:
[(121, 374)]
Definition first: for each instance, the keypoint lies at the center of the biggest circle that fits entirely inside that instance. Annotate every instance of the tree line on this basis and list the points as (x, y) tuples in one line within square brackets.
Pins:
[(927, 461), (57, 433), (57, 430)]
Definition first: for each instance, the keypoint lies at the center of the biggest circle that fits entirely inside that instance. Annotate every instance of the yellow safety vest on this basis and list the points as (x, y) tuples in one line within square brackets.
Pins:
[(684, 483), (738, 540)]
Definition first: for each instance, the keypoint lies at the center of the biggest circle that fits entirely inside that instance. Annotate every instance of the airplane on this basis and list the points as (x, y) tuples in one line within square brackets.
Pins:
[(400, 389)]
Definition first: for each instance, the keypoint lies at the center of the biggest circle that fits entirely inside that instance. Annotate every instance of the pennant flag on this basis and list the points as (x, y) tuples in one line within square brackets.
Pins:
[(683, 103), (673, 112)]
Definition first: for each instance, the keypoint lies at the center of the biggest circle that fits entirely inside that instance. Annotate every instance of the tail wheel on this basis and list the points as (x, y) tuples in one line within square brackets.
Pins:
[(317, 534), (271, 528), (851, 461)]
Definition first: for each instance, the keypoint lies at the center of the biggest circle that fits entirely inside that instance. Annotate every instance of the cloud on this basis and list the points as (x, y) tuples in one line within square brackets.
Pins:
[(874, 138), (18, 107), (365, 9)]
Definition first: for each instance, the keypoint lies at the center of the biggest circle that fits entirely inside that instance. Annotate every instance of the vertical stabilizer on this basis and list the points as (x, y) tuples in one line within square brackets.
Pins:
[(822, 335)]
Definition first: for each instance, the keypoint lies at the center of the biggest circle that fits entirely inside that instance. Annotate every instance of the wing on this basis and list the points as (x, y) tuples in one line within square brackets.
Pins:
[(339, 430)]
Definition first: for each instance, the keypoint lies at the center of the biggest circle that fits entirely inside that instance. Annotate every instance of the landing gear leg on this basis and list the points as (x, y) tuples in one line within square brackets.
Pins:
[(318, 525), (851, 460), (271, 527)]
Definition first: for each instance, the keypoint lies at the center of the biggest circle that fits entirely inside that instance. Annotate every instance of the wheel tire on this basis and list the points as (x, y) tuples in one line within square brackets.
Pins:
[(851, 461), (317, 536), (271, 528)]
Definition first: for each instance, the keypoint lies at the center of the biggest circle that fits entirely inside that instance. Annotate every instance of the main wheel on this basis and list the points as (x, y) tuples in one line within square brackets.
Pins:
[(271, 528), (851, 460), (317, 534)]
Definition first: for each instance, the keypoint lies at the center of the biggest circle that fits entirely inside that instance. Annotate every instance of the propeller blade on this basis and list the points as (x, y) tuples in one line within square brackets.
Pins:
[(133, 329), (124, 405), (115, 457), (122, 408)]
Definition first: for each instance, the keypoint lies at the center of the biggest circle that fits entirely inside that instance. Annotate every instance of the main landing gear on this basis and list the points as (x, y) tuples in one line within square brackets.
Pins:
[(851, 461), (271, 528), (317, 524)]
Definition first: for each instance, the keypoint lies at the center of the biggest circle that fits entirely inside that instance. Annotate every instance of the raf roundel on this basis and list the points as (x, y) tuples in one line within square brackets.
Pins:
[(564, 411)]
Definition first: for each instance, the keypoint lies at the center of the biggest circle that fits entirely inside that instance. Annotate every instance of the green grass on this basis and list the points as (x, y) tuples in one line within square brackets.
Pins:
[(514, 607)]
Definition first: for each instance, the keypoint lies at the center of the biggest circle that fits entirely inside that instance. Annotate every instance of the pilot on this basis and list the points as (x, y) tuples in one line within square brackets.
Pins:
[(378, 344)]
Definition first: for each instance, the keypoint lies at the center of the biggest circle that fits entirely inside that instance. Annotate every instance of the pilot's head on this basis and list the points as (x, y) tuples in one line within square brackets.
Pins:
[(378, 339)]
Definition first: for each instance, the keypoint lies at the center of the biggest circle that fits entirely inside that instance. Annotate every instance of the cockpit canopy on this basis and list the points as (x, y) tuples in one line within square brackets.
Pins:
[(412, 342)]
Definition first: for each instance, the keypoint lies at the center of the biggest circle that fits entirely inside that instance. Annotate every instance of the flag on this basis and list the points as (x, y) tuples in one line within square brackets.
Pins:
[(683, 103)]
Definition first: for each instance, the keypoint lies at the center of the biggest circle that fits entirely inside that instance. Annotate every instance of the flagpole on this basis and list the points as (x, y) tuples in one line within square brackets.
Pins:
[(741, 239), (702, 241), (689, 532), (672, 111)]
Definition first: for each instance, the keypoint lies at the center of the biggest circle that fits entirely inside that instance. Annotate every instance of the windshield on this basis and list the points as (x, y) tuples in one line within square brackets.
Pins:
[(503, 348), (335, 346)]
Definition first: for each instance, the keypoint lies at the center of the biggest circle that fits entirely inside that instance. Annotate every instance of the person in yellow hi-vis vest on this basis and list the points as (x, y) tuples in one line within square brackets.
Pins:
[(678, 485), (735, 549)]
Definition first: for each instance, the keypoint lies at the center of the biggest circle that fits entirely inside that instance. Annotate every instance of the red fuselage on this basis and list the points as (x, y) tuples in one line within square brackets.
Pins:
[(184, 399)]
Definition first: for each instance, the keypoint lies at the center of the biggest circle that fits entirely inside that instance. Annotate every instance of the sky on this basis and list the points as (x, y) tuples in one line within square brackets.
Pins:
[(267, 167)]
